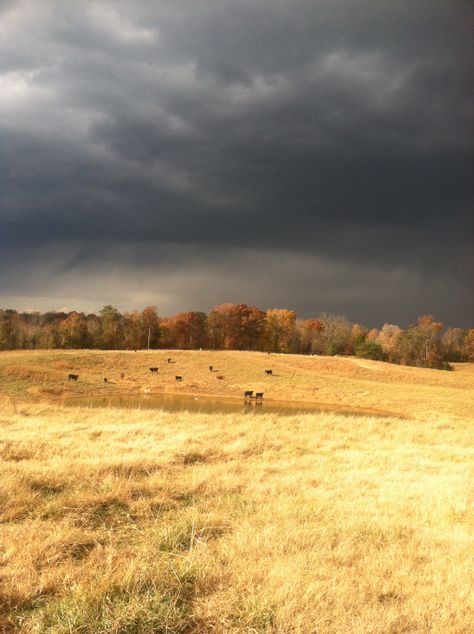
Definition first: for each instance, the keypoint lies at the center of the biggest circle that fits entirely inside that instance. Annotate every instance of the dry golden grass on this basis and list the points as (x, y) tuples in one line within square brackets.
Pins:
[(342, 382), (128, 521)]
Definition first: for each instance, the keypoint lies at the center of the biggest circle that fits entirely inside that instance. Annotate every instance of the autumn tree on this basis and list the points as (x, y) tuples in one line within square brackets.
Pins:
[(49, 336), (7, 333), (167, 333), (452, 344), (358, 337), (309, 330), (94, 330), (419, 344), (373, 334), (280, 330), (73, 332), (135, 336), (223, 326), (468, 345), (151, 324), (24, 331), (112, 327), (137, 325), (251, 328), (27, 327), (236, 327), (49, 329), (335, 335), (389, 338), (191, 330), (184, 331)]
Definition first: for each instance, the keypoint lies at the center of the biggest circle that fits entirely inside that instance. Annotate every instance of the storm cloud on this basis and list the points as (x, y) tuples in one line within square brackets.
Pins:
[(308, 154)]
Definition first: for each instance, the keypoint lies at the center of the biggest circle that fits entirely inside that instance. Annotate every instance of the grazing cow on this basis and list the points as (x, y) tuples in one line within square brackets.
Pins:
[(220, 376), (248, 393), (73, 377), (154, 370), (259, 396), (269, 372), (211, 368), (178, 378)]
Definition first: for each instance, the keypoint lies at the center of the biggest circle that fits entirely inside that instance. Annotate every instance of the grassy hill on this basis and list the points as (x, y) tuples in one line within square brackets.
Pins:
[(128, 521), (345, 382)]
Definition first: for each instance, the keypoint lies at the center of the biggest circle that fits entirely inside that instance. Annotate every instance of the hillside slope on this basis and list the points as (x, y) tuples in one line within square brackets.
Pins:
[(343, 382)]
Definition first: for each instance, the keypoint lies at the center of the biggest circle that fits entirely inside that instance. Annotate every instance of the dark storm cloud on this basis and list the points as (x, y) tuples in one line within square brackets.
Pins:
[(198, 145)]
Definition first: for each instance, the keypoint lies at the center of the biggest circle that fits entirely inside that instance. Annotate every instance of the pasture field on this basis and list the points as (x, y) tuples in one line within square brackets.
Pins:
[(131, 521), (345, 382)]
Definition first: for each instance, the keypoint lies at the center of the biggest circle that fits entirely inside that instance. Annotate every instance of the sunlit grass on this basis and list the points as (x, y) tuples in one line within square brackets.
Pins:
[(340, 382), (145, 521)]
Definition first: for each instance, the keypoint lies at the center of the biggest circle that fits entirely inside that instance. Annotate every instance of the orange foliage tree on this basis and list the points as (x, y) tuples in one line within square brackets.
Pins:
[(137, 326), (280, 330), (309, 330), (184, 331), (73, 331), (236, 327)]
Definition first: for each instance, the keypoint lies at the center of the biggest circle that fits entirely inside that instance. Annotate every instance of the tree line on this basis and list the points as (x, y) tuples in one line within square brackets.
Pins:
[(238, 327)]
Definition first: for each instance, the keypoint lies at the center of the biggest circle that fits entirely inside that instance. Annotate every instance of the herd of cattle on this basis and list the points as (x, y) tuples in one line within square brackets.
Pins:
[(248, 394)]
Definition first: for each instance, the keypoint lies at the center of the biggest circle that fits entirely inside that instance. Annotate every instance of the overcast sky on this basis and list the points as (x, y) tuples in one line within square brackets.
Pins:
[(304, 154)]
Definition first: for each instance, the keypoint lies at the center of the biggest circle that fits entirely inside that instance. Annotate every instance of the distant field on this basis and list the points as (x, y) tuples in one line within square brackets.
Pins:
[(339, 381), (128, 521)]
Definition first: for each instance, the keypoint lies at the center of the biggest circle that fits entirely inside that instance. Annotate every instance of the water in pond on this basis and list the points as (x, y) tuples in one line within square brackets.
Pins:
[(207, 405)]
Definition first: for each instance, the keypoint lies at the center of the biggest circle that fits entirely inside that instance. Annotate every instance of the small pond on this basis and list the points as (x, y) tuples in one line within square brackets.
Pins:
[(209, 405)]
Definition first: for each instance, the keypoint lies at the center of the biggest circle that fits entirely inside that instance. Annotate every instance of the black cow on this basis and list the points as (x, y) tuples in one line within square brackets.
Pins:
[(259, 396), (169, 361), (179, 378), (73, 377), (154, 370), (105, 380), (211, 368), (269, 372), (248, 394)]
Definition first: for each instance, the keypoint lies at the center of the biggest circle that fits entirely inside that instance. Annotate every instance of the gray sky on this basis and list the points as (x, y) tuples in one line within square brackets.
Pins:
[(309, 154)]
